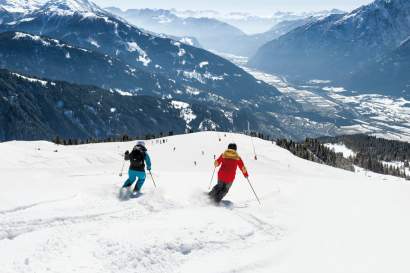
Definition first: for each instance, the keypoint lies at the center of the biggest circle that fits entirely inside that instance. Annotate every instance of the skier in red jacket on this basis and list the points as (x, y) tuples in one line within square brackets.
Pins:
[(229, 162)]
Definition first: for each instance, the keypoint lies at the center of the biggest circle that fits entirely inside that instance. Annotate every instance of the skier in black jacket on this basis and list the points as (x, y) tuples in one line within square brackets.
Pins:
[(138, 158)]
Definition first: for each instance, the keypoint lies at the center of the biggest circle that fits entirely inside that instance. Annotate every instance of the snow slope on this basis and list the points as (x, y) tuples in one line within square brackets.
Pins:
[(59, 212)]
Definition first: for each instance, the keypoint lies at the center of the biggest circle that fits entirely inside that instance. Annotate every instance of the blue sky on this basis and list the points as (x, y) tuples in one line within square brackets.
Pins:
[(262, 7)]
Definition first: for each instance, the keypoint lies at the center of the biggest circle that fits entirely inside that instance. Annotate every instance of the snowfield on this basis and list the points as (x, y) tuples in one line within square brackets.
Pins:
[(60, 212)]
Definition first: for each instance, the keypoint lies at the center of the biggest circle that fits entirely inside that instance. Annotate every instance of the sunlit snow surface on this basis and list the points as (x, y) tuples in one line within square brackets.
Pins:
[(43, 83), (21, 6), (374, 114), (341, 148), (59, 212), (186, 112)]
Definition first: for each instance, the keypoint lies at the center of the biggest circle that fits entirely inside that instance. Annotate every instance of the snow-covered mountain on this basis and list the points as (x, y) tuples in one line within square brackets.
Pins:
[(33, 108), (202, 78), (251, 23), (60, 212), (56, 6), (87, 26), (388, 75), (208, 31), (49, 58), (220, 94), (28, 6), (38, 108), (213, 33), (338, 45), (21, 6), (248, 45), (70, 7)]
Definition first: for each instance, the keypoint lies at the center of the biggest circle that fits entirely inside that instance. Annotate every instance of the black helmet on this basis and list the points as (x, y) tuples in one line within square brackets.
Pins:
[(232, 146)]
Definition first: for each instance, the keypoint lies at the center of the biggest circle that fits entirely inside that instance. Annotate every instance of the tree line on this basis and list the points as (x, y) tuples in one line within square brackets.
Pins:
[(123, 138), (313, 150), (377, 148), (370, 153)]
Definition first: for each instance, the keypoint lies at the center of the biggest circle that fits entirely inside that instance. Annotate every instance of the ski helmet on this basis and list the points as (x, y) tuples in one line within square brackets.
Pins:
[(141, 143), (232, 146)]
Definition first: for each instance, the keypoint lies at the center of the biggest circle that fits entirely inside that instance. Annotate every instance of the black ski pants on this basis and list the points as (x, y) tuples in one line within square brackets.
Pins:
[(219, 191)]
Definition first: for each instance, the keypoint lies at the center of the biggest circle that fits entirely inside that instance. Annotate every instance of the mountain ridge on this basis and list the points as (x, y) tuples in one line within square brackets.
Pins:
[(213, 33), (221, 94), (115, 37), (45, 57), (335, 47), (35, 108)]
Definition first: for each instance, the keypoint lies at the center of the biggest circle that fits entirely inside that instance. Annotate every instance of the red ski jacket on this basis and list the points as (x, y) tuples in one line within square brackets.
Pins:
[(229, 161)]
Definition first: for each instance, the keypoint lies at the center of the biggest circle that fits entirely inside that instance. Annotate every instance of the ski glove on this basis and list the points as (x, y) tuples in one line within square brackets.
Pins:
[(127, 155)]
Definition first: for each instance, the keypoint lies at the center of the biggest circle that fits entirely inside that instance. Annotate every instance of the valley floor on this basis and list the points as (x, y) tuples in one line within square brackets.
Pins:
[(379, 115), (60, 212)]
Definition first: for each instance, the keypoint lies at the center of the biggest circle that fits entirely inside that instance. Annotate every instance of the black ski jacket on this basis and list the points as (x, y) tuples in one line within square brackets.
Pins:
[(138, 157)]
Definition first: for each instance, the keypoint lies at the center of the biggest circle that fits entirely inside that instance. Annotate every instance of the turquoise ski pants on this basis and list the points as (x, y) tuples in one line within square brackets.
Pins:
[(132, 176)]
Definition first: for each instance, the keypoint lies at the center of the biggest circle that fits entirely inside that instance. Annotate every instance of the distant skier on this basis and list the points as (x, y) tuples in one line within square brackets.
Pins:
[(138, 158), (229, 162)]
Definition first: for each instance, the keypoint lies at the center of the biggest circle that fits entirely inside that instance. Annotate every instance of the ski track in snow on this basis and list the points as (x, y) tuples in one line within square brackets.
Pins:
[(33, 205), (63, 212)]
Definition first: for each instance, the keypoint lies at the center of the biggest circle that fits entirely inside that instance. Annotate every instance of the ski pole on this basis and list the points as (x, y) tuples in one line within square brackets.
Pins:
[(212, 178), (153, 181), (122, 168), (253, 191)]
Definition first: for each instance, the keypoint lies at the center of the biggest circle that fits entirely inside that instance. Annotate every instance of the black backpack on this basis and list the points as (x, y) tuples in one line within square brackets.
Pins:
[(137, 158)]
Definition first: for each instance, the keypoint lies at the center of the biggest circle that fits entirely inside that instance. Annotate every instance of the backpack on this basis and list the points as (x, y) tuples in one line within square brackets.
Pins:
[(137, 158)]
